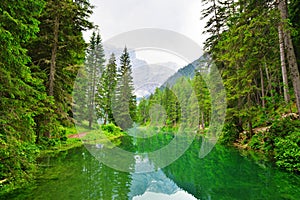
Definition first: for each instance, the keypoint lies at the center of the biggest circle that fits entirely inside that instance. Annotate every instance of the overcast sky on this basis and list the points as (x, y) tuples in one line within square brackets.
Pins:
[(118, 16)]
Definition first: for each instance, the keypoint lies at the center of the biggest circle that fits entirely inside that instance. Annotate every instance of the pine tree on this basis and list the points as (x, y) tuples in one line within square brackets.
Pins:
[(105, 91), (243, 49), (124, 104), (94, 67), (294, 16), (171, 105), (203, 97), (21, 94), (217, 13), (57, 54), (291, 57), (143, 111)]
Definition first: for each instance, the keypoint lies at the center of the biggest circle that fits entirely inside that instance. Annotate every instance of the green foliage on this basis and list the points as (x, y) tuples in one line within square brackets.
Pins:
[(256, 141), (19, 94), (229, 134), (294, 14), (27, 114), (287, 151), (111, 129), (281, 129), (105, 91), (68, 58), (94, 68), (124, 101), (283, 139)]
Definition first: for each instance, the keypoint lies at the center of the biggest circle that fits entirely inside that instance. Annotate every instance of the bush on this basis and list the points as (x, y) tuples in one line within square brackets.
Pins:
[(280, 129), (287, 151), (256, 141), (229, 134), (111, 129), (284, 139)]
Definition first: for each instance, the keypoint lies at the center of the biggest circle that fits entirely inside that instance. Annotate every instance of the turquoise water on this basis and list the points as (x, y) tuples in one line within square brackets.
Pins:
[(224, 174)]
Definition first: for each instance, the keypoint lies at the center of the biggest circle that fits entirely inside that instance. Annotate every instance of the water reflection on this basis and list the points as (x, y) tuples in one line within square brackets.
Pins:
[(153, 185), (223, 174)]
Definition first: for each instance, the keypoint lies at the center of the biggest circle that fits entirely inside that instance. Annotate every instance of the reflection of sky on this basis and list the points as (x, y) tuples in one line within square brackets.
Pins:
[(154, 185), (179, 195)]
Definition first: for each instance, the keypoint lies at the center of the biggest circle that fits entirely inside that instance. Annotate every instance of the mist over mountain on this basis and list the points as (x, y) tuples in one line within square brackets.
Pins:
[(135, 62), (146, 77)]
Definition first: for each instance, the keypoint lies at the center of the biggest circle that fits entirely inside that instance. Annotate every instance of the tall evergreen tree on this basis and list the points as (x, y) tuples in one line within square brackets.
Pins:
[(217, 13), (143, 111), (124, 104), (20, 93), (243, 49), (105, 91), (202, 94), (171, 104), (94, 67), (294, 16), (291, 56), (56, 54)]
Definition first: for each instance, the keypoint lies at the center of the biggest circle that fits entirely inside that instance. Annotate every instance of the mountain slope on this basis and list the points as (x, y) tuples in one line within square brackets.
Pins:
[(188, 71)]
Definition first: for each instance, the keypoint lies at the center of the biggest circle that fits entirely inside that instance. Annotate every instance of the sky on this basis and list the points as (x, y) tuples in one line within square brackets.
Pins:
[(118, 16)]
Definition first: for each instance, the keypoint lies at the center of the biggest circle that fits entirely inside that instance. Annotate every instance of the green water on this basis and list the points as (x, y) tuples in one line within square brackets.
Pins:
[(223, 174)]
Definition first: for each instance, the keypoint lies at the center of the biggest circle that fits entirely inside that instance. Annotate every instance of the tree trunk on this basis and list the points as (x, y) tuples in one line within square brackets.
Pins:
[(53, 56), (262, 88), (269, 84), (291, 57), (202, 121), (283, 66)]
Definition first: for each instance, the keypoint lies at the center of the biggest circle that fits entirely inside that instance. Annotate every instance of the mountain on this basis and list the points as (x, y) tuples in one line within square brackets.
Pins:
[(148, 77), (154, 184), (187, 71), (135, 62)]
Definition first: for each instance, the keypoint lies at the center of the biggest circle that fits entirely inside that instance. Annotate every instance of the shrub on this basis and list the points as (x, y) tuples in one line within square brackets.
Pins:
[(287, 151), (280, 129), (111, 129), (256, 141), (229, 134)]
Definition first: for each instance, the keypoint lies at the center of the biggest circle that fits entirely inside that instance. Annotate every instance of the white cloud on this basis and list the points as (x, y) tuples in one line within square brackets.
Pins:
[(118, 16)]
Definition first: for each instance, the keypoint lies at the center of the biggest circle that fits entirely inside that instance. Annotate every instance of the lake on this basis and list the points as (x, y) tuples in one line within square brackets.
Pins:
[(225, 173)]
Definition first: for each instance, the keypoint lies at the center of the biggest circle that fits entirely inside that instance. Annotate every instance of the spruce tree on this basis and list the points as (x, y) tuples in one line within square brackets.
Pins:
[(94, 66), (124, 101), (203, 97), (57, 54), (21, 93), (105, 91)]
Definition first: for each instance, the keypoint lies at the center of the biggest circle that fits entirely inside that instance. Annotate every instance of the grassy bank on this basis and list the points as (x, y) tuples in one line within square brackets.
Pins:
[(80, 135)]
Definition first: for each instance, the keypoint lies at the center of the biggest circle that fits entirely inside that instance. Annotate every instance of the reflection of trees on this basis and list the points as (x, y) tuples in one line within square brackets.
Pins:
[(224, 174), (78, 175)]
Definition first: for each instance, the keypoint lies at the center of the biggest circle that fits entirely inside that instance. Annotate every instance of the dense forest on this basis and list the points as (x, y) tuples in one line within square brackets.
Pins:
[(51, 79), (255, 46), (42, 48)]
